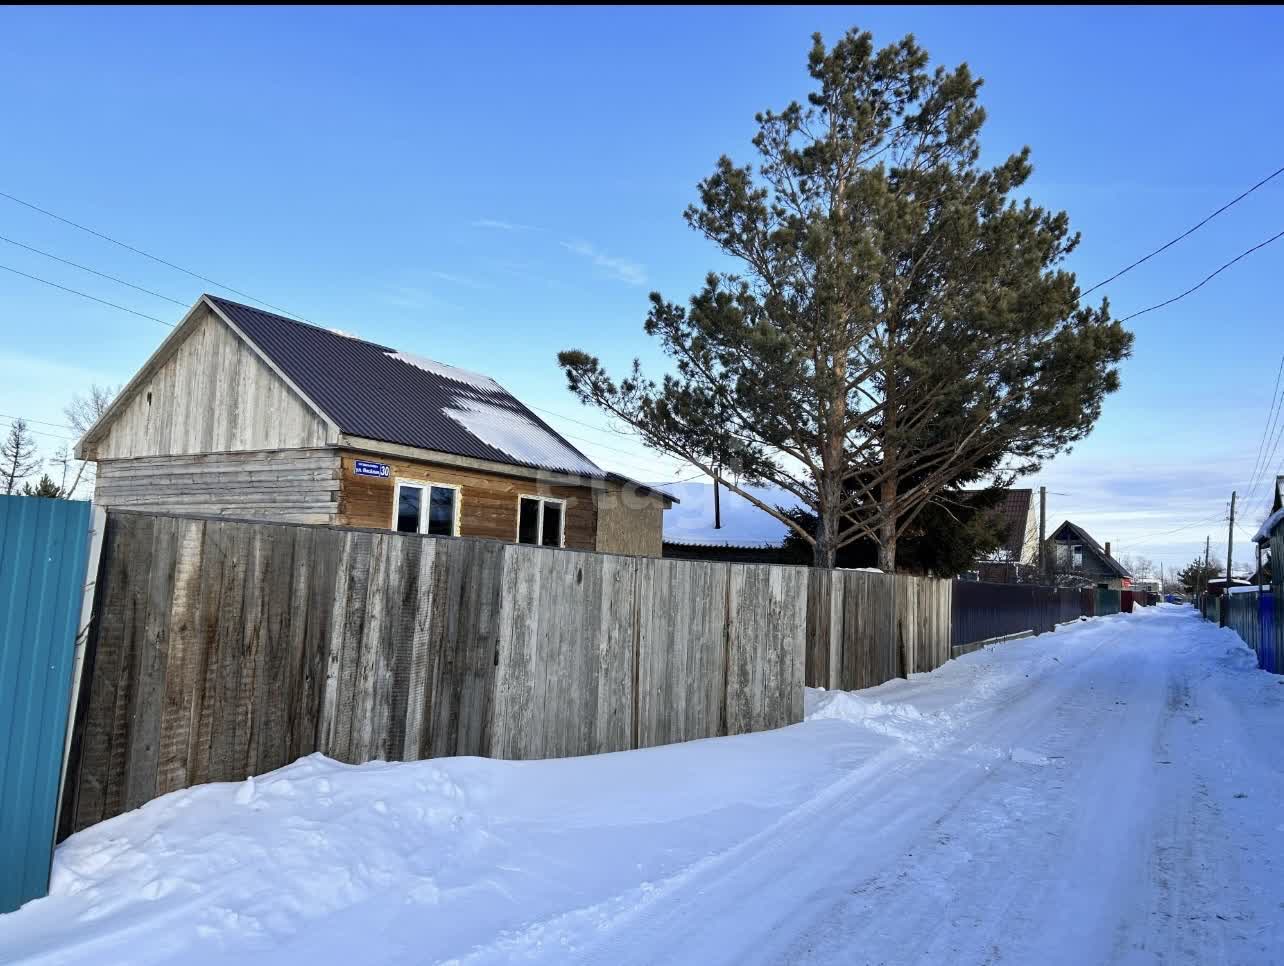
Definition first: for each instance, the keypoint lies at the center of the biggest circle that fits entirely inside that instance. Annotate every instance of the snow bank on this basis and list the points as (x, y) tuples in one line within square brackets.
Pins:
[(326, 862), (896, 720)]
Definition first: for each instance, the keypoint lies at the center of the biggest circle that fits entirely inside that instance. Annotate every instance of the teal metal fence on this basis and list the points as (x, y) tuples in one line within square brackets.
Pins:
[(44, 546), (1107, 602)]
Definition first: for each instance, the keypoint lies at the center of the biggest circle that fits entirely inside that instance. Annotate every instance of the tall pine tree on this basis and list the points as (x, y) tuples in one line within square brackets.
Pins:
[(899, 321)]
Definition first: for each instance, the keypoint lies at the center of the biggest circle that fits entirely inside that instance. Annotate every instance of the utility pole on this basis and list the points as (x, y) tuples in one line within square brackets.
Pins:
[(717, 503), (1043, 532), (1203, 571), (1230, 542), (1230, 545)]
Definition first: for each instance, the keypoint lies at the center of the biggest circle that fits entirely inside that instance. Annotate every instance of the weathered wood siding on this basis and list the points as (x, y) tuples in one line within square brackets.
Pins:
[(213, 394), (222, 649), (487, 502), (289, 486), (923, 611), (867, 628), (629, 523)]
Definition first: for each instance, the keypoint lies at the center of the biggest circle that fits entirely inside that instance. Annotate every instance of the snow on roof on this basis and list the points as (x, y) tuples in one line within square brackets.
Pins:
[(1264, 531), (513, 433), (743, 524), (467, 377)]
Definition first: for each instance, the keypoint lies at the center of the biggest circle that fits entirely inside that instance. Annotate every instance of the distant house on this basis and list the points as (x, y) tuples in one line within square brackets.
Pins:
[(1018, 556), (243, 413), (1077, 559)]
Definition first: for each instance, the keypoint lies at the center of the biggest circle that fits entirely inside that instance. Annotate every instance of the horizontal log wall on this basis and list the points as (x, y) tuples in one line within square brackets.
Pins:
[(222, 649), (287, 486)]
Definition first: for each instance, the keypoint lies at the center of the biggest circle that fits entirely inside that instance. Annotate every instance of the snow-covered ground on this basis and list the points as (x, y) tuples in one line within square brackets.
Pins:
[(1108, 793)]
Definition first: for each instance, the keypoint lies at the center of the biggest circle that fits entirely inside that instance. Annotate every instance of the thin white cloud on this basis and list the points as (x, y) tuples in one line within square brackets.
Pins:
[(459, 280), (411, 297), (499, 225), (623, 269)]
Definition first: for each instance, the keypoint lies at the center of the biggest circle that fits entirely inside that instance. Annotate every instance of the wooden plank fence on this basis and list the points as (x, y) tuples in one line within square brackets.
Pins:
[(867, 628), (222, 649)]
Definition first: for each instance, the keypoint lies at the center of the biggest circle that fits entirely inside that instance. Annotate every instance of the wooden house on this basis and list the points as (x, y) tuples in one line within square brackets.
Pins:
[(1077, 558), (243, 413), (1017, 558)]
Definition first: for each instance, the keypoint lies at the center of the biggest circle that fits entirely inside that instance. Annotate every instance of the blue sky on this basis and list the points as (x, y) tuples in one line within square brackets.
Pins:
[(488, 187)]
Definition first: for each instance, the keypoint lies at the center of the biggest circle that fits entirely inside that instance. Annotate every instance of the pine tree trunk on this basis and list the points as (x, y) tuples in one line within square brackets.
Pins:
[(825, 551), (887, 555), (826, 548), (887, 529)]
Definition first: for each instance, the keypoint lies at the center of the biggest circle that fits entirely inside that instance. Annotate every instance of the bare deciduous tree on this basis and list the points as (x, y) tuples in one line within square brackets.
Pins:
[(82, 412)]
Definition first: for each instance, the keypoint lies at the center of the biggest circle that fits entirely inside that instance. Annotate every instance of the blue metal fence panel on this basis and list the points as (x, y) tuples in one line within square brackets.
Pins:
[(44, 545)]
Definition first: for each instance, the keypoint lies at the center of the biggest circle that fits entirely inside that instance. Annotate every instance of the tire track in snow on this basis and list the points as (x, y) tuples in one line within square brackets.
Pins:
[(876, 790)]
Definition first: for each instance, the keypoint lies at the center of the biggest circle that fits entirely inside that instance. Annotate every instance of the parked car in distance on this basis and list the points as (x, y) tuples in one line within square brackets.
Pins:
[(1175, 598)]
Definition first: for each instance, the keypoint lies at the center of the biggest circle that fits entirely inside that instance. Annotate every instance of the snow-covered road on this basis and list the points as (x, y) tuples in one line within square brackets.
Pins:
[(1108, 793)]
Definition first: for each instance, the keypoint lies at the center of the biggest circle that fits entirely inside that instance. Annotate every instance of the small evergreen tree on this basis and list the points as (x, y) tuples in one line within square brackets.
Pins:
[(46, 488), (900, 319), (1195, 576), (18, 458)]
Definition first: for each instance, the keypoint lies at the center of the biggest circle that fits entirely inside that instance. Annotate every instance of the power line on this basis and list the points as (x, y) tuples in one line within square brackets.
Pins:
[(1271, 416), (572, 419), (91, 298), (598, 429), (92, 271), (41, 432), (42, 422), (35, 278), (1218, 518), (593, 442), (155, 258), (1270, 461), (1195, 288), (1189, 231)]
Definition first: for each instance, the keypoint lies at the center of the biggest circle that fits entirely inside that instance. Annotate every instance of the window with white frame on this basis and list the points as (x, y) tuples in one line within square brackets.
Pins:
[(541, 520), (426, 508)]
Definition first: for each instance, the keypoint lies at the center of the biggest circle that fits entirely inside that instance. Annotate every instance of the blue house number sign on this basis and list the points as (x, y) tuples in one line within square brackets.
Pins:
[(372, 469)]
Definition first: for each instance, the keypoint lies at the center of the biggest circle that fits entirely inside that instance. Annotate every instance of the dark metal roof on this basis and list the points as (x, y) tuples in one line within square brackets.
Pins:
[(1015, 513), (372, 391)]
